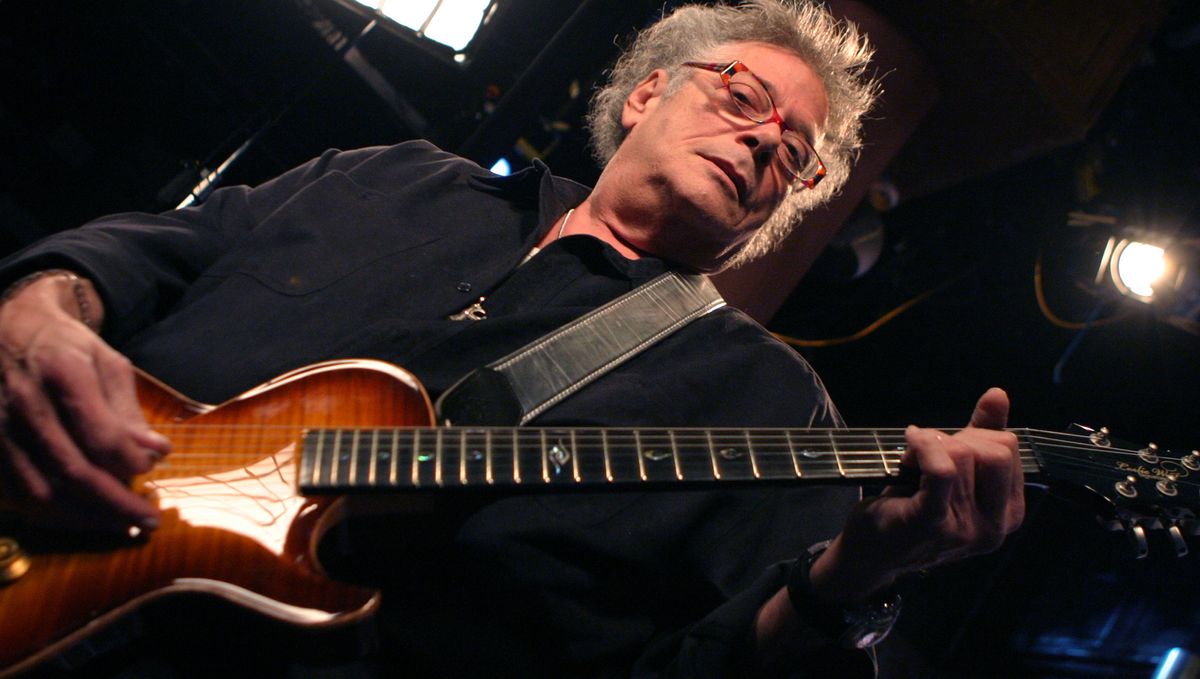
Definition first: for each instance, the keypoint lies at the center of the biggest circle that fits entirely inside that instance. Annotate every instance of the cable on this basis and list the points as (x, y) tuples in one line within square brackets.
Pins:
[(1040, 293), (875, 325)]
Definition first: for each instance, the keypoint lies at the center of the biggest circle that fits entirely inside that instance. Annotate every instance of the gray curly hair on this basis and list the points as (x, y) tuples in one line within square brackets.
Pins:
[(834, 49)]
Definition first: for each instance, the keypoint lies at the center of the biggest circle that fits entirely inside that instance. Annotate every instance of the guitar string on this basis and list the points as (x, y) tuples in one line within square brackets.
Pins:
[(1065, 461), (720, 437), (734, 437), (759, 445), (761, 448)]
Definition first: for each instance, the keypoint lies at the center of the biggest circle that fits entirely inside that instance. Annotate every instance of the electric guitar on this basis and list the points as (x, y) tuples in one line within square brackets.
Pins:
[(253, 484)]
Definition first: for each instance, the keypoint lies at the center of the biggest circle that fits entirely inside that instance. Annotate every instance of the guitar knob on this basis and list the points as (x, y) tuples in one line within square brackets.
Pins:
[(1192, 461), (1149, 453), (13, 561)]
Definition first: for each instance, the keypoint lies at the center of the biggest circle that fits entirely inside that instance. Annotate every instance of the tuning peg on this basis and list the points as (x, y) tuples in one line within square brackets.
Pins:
[(1192, 461), (1168, 486), (1149, 453), (1177, 541), (1100, 437), (1128, 487)]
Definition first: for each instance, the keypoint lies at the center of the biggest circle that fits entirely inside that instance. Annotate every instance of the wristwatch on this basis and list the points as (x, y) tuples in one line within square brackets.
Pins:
[(859, 626)]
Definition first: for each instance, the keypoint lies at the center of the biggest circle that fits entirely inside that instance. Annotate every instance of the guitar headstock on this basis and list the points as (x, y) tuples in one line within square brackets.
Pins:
[(1136, 488)]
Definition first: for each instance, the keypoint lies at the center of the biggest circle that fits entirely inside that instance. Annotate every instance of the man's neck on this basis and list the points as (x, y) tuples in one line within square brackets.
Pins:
[(582, 220)]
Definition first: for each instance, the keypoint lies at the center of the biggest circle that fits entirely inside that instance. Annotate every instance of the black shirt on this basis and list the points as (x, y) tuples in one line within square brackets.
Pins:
[(367, 254)]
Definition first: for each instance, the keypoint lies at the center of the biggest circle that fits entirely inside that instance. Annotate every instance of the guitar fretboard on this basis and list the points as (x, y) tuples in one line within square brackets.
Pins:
[(351, 460)]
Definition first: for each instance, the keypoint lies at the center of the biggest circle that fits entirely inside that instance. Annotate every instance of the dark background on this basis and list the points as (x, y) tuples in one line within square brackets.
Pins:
[(119, 106)]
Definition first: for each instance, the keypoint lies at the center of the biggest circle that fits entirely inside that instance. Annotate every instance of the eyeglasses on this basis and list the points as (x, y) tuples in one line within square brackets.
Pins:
[(752, 100)]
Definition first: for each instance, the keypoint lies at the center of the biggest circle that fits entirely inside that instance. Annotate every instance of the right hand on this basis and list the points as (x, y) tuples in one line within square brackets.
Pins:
[(73, 433)]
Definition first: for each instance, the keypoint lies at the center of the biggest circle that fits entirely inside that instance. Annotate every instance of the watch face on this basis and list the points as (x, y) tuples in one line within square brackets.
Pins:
[(869, 624)]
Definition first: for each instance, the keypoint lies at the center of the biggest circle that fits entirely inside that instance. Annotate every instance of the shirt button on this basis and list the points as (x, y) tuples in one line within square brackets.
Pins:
[(464, 287)]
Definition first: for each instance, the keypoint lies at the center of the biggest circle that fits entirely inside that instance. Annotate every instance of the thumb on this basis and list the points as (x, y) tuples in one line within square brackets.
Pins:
[(991, 412)]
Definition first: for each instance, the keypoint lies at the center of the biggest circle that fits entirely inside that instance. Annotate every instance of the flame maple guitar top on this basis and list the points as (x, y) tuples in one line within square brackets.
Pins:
[(233, 524)]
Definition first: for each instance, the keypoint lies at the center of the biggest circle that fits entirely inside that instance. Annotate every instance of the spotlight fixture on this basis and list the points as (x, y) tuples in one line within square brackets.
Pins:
[(450, 22), (1144, 267)]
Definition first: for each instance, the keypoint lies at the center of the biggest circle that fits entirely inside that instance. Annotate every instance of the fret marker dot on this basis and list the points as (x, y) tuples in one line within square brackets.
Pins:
[(384, 455), (476, 455), (424, 457), (559, 455), (810, 454), (654, 455), (730, 453)]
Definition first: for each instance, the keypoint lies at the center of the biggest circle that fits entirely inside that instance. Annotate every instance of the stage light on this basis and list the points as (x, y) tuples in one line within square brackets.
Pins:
[(450, 22), (502, 167), (1137, 268), (1141, 268)]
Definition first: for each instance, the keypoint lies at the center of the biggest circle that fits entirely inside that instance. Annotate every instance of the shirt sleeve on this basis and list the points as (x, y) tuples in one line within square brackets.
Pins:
[(142, 263), (723, 645)]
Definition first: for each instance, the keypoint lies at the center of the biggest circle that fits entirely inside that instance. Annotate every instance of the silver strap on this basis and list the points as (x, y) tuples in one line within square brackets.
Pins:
[(545, 372)]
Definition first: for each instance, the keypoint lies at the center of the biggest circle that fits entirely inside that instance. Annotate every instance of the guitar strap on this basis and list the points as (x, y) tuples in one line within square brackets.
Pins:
[(522, 385)]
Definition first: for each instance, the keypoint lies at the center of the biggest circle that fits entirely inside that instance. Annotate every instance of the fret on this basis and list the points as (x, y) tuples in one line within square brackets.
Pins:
[(575, 457), (426, 460), (694, 463), (608, 469), (591, 458), (502, 458), (730, 456), (438, 456), (675, 454), (314, 476), (474, 462), (787, 434), (712, 453), (812, 457), (394, 462), (489, 475), (462, 457), (335, 468), (860, 455), (532, 460), (374, 457), (637, 450), (753, 457), (836, 456), (346, 458), (559, 460), (623, 459), (515, 449), (773, 454), (354, 458), (882, 456), (655, 459)]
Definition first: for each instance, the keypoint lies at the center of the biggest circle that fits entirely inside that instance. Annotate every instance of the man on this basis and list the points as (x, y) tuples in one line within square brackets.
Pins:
[(718, 129)]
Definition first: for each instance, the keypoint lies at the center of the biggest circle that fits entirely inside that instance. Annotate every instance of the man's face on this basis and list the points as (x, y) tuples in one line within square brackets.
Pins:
[(712, 172)]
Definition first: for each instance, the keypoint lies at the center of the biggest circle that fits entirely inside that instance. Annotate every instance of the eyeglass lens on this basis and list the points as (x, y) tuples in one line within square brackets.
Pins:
[(753, 101)]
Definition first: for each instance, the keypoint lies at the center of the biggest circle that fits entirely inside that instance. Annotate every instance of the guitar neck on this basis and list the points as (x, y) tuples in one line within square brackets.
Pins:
[(415, 458)]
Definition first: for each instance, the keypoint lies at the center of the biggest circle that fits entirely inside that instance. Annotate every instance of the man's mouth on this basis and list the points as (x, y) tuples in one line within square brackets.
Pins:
[(730, 170)]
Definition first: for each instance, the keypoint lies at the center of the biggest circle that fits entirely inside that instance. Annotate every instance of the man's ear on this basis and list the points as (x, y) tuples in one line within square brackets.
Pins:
[(643, 98)]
